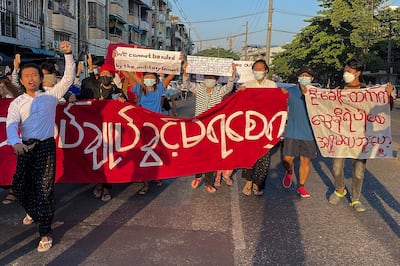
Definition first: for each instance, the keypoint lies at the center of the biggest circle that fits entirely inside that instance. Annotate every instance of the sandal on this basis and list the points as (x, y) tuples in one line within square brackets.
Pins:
[(256, 191), (217, 182), (158, 183), (228, 181), (45, 245), (143, 190), (106, 196), (10, 198), (27, 220), (97, 192), (247, 188)]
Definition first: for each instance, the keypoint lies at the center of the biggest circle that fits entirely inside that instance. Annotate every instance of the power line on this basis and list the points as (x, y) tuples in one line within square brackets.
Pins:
[(251, 15), (263, 30)]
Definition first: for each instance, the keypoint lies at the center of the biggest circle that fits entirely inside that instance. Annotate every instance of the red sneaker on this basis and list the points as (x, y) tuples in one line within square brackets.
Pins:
[(303, 192), (287, 180)]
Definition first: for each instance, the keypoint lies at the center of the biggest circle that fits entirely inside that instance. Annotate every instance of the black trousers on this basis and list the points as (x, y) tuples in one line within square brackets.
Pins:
[(33, 183), (258, 173)]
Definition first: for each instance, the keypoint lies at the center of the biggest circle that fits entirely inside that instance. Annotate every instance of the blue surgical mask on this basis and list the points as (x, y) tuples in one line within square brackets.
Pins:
[(304, 80), (149, 82)]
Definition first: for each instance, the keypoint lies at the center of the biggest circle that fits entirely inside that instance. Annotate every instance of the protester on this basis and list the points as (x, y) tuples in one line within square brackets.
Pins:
[(208, 94), (30, 131), (298, 138), (351, 76), (256, 176), (105, 90), (149, 91)]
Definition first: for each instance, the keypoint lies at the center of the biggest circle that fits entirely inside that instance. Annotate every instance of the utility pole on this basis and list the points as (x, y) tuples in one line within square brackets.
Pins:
[(269, 29), (245, 41)]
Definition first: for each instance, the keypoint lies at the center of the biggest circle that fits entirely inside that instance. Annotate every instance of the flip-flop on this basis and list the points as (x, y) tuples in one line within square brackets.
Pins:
[(106, 196), (97, 192), (10, 198), (45, 245), (143, 191)]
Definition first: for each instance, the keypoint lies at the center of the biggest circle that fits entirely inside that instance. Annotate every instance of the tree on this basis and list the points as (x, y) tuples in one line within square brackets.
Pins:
[(343, 29), (218, 52)]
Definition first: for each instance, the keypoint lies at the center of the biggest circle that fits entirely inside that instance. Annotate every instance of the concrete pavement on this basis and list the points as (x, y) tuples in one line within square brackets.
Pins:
[(176, 225)]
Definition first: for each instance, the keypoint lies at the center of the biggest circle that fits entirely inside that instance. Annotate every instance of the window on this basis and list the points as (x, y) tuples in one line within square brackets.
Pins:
[(29, 12), (96, 16), (7, 19)]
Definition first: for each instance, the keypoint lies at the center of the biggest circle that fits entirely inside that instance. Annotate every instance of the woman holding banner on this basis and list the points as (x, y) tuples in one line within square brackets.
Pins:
[(256, 176), (208, 94), (149, 91)]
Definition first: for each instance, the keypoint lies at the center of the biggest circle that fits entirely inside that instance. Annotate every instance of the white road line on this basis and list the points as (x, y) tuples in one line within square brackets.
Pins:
[(237, 225)]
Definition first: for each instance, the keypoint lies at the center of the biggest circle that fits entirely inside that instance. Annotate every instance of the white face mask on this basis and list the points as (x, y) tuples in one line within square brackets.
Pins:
[(149, 82), (209, 83), (304, 80), (348, 77), (258, 75)]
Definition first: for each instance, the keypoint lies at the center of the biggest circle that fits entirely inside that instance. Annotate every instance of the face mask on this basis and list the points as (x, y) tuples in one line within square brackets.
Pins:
[(209, 83), (105, 80), (348, 77), (258, 75), (304, 80), (95, 71), (149, 82)]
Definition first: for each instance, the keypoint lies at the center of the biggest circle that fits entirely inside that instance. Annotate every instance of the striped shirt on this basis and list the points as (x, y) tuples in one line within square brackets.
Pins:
[(204, 100)]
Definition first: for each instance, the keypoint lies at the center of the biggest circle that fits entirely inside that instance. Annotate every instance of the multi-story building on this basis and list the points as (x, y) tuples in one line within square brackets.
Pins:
[(35, 28)]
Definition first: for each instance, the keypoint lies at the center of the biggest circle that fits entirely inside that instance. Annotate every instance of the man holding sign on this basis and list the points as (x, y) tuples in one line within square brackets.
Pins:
[(351, 76)]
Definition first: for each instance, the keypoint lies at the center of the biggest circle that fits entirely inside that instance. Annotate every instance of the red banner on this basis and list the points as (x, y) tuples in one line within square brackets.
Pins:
[(110, 141)]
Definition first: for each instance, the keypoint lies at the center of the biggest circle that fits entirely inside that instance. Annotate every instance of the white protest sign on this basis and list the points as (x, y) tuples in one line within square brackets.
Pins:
[(243, 68), (209, 65), (351, 123), (147, 60)]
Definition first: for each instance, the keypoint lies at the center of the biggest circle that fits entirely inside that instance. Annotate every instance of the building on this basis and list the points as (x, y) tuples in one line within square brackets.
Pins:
[(254, 52), (35, 28)]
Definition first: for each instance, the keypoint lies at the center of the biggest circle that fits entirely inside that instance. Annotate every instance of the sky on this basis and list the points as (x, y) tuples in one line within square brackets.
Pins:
[(212, 21)]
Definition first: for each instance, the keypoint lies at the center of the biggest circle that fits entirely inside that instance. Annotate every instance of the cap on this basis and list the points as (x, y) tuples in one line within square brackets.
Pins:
[(107, 67), (306, 69)]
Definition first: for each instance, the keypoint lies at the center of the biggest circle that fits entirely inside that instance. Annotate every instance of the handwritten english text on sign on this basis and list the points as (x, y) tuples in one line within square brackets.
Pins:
[(209, 65), (147, 60), (351, 123)]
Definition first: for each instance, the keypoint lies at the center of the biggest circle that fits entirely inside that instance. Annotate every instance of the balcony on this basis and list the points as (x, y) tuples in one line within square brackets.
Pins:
[(63, 23), (116, 10), (133, 20), (161, 18), (144, 25)]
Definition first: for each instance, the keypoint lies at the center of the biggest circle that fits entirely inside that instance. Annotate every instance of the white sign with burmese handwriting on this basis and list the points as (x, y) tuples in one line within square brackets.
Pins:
[(351, 123), (209, 65), (147, 60)]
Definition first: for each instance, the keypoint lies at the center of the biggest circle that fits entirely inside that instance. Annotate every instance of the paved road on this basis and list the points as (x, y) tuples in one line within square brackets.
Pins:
[(176, 225)]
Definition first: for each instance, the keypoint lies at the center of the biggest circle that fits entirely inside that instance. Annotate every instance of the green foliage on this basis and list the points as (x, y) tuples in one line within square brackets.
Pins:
[(218, 52), (343, 29)]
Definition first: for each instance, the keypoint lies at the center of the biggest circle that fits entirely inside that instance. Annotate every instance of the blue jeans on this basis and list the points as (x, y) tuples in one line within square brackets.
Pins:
[(357, 176)]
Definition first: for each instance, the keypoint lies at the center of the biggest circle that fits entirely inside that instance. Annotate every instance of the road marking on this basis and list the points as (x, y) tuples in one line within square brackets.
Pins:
[(237, 225)]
